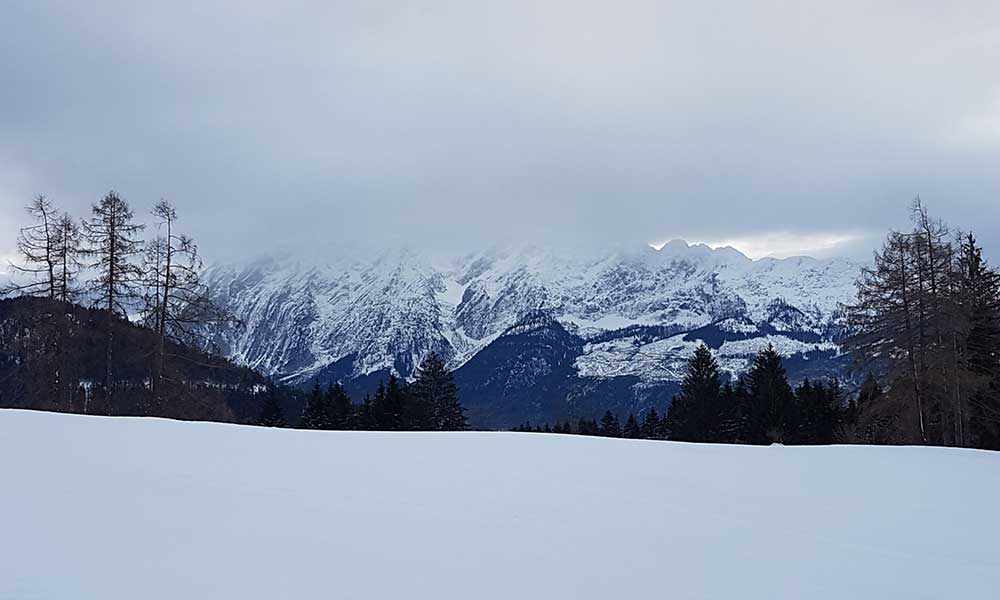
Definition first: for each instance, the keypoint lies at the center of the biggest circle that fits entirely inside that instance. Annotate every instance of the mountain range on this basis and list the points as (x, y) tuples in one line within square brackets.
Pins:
[(533, 334)]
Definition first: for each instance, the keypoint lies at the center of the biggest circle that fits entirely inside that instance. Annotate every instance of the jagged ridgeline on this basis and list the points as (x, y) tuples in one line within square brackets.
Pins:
[(532, 334)]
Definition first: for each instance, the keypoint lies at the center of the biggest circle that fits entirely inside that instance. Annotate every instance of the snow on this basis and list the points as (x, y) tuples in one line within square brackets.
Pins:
[(115, 508), (297, 317)]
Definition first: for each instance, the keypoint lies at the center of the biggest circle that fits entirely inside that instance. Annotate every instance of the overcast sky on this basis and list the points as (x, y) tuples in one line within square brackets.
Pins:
[(778, 127)]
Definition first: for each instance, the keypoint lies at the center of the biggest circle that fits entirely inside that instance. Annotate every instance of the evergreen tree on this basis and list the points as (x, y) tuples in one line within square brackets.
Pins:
[(587, 427), (816, 413), (365, 418), (316, 415), (870, 391), (340, 407), (610, 426), (389, 405), (695, 415), (632, 429), (272, 415), (769, 400), (731, 402), (978, 420), (651, 425), (435, 397)]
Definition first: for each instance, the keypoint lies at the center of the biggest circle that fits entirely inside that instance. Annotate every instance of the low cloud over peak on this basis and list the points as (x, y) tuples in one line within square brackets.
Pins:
[(463, 124)]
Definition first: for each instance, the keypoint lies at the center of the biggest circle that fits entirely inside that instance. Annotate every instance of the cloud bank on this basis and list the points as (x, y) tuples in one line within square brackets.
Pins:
[(457, 124)]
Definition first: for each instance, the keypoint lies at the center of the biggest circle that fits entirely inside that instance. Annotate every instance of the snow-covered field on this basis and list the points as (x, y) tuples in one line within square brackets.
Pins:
[(102, 508)]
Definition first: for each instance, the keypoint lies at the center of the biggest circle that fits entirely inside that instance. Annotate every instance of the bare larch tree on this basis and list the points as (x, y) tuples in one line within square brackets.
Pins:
[(176, 301), (112, 246), (37, 245)]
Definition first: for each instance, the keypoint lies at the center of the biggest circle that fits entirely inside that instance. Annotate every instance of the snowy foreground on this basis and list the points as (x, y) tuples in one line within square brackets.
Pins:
[(102, 508)]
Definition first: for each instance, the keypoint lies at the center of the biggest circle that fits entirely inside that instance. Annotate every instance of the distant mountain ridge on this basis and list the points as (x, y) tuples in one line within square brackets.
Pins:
[(631, 316)]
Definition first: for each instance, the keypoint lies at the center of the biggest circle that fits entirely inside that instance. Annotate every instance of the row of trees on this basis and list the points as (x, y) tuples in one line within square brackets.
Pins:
[(925, 330), (927, 320), (429, 403), (123, 274), (761, 408)]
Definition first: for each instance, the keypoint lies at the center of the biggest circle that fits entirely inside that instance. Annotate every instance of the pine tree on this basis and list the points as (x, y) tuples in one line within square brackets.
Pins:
[(435, 397), (979, 288), (651, 425), (610, 426), (870, 391), (339, 405), (272, 415), (695, 414), (389, 405), (815, 415), (315, 415), (769, 400), (632, 429), (365, 418)]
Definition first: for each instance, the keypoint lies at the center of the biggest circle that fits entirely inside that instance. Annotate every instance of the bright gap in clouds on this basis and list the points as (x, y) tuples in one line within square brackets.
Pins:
[(783, 244)]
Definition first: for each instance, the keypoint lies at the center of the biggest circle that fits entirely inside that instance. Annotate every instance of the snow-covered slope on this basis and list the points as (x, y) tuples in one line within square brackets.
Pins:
[(353, 317), (115, 508)]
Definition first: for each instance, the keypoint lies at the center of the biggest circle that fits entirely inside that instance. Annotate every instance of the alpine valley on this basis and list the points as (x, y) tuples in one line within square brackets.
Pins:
[(532, 334)]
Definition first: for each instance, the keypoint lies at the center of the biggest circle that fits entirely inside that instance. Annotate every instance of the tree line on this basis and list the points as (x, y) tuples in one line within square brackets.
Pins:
[(103, 261), (428, 403), (760, 408), (924, 333), (927, 322)]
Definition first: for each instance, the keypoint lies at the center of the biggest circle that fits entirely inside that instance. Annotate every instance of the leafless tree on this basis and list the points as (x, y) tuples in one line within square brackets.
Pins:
[(37, 245), (177, 303), (113, 246), (919, 313)]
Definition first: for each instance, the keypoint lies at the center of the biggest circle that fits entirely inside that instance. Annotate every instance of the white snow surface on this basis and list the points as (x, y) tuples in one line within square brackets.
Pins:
[(390, 310), (122, 508)]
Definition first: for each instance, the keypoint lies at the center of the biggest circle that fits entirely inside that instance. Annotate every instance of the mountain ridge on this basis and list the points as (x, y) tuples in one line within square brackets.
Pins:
[(635, 313)]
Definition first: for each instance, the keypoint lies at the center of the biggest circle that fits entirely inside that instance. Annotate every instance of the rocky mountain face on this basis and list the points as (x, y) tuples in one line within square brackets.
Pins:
[(533, 334)]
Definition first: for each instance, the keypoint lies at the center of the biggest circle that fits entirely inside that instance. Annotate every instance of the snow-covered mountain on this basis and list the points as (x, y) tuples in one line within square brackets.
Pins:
[(637, 313)]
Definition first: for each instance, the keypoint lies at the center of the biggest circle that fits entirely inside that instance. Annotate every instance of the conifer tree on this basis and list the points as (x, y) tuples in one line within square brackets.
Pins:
[(112, 248), (769, 400), (651, 425), (49, 251), (816, 413), (435, 397), (365, 418), (272, 415), (177, 304), (979, 407), (631, 429), (315, 415), (36, 244), (610, 426), (68, 252), (695, 414), (340, 407), (587, 427), (389, 405)]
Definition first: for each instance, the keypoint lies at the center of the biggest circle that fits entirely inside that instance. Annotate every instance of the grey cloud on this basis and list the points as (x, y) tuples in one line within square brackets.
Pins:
[(465, 123)]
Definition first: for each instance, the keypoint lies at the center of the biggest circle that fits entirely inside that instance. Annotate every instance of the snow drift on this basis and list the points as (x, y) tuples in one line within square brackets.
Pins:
[(109, 508)]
